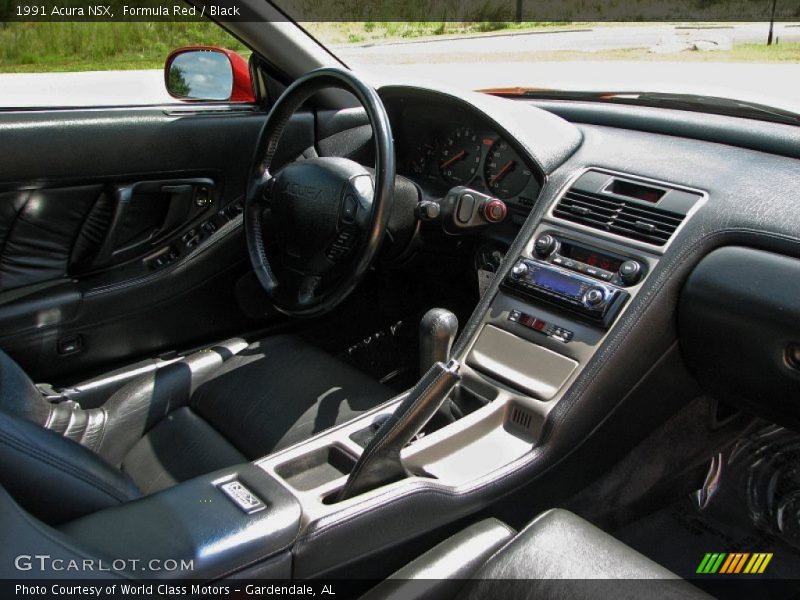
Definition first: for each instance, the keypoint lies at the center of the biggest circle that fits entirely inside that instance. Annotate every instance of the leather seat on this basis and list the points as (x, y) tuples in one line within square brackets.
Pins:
[(224, 405), (558, 555)]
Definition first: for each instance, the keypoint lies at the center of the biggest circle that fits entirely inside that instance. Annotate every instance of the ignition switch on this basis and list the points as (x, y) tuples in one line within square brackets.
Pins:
[(464, 208)]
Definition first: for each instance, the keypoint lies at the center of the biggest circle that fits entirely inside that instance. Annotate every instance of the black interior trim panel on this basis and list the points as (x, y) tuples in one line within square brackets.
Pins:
[(740, 329)]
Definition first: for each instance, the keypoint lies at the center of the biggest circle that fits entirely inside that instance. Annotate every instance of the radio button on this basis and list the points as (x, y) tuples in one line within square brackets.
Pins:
[(594, 297), (518, 270)]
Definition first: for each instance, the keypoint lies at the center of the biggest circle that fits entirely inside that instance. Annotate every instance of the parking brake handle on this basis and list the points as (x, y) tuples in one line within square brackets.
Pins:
[(380, 462)]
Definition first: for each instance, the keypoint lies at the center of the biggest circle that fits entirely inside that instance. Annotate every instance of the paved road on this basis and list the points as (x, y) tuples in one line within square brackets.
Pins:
[(90, 88), (498, 60), (586, 40)]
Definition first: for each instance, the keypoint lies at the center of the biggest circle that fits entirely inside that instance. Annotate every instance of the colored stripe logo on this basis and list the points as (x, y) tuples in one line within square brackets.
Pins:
[(734, 563)]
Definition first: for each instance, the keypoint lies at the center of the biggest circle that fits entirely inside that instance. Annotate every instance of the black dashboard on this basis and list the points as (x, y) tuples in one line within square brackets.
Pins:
[(534, 158)]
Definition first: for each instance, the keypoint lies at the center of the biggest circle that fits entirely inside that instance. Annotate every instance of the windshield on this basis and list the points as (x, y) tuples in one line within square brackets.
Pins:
[(758, 62)]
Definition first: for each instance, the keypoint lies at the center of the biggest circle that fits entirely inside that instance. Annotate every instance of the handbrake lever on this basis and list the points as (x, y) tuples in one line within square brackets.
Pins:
[(380, 462)]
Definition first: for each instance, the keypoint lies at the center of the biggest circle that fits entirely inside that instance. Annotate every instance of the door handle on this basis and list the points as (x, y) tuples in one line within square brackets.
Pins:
[(181, 192), (181, 197), (122, 201)]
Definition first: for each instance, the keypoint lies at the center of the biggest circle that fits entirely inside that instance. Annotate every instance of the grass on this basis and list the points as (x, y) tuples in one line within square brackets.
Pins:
[(69, 46), (72, 46)]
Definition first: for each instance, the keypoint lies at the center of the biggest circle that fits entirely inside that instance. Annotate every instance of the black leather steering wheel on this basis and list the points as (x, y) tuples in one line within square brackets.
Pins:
[(314, 227)]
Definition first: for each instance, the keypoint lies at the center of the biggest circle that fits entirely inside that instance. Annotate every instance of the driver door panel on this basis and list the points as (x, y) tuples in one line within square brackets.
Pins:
[(120, 232)]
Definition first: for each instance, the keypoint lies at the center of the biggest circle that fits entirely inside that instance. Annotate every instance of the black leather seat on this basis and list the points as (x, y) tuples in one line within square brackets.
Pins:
[(225, 405), (558, 555)]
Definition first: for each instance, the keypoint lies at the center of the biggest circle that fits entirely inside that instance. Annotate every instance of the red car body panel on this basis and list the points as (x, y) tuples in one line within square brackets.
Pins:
[(242, 90)]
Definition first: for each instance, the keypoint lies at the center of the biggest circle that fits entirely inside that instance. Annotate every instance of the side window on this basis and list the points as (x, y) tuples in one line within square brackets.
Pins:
[(79, 64)]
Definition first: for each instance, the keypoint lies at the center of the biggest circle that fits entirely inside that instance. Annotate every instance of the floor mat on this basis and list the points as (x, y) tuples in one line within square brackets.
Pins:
[(377, 329), (390, 355), (750, 504)]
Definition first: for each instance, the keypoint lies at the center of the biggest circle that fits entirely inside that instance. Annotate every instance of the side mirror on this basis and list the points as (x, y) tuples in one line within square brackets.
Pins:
[(208, 73)]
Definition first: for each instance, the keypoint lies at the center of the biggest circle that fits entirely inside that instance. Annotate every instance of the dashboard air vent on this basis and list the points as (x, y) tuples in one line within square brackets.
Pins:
[(619, 216)]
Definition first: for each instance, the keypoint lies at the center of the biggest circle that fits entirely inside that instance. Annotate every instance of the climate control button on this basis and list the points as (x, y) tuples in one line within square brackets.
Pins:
[(545, 245), (630, 272)]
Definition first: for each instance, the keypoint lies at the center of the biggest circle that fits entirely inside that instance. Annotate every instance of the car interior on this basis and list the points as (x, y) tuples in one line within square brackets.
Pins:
[(412, 337)]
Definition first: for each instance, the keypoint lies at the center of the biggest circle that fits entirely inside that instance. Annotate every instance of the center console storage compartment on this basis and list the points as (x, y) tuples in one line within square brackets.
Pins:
[(519, 363)]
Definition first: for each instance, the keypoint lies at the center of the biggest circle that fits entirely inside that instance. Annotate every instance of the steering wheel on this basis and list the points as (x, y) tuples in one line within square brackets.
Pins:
[(314, 227)]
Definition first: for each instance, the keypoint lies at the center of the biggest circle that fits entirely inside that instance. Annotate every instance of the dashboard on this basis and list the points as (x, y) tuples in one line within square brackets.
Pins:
[(634, 200), (441, 147)]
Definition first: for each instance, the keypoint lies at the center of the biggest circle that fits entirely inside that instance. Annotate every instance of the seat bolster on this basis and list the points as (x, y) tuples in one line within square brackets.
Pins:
[(18, 394), (31, 539), (140, 404), (562, 556), (441, 571), (54, 478), (180, 447)]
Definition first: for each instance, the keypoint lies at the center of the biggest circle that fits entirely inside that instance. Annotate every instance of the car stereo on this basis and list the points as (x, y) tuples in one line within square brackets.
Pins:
[(592, 299)]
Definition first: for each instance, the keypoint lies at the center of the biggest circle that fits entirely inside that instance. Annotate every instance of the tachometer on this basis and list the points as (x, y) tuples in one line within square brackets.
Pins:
[(460, 156), (506, 174)]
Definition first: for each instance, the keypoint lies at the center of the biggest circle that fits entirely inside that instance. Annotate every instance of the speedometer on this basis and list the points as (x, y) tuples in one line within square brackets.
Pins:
[(460, 156), (506, 174)]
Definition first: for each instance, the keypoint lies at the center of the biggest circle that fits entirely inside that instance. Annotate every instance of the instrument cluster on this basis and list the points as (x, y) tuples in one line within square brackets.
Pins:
[(443, 155)]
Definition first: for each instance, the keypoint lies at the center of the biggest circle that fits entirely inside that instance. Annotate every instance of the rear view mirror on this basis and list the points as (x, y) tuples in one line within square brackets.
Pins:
[(208, 73)]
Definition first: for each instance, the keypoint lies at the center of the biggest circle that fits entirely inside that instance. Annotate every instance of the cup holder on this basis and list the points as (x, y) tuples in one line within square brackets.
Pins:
[(316, 468)]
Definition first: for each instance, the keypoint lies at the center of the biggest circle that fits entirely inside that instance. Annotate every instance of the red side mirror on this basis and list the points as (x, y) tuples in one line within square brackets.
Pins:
[(209, 73)]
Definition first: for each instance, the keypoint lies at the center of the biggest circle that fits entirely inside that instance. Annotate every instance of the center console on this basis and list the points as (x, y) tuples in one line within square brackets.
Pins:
[(557, 300)]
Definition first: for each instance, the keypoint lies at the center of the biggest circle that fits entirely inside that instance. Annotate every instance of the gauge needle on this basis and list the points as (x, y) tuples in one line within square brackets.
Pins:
[(452, 159), (502, 172)]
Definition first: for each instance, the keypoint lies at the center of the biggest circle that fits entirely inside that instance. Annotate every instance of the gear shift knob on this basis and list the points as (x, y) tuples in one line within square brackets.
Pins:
[(437, 331)]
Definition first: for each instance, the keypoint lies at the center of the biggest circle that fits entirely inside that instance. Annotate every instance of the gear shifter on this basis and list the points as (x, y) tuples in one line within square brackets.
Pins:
[(437, 331), (380, 462)]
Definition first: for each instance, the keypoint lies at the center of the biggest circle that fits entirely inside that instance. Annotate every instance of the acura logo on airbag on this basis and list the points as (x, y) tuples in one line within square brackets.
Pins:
[(299, 190)]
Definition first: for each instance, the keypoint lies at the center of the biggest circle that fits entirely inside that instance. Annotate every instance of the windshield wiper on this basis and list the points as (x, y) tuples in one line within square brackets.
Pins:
[(691, 102)]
